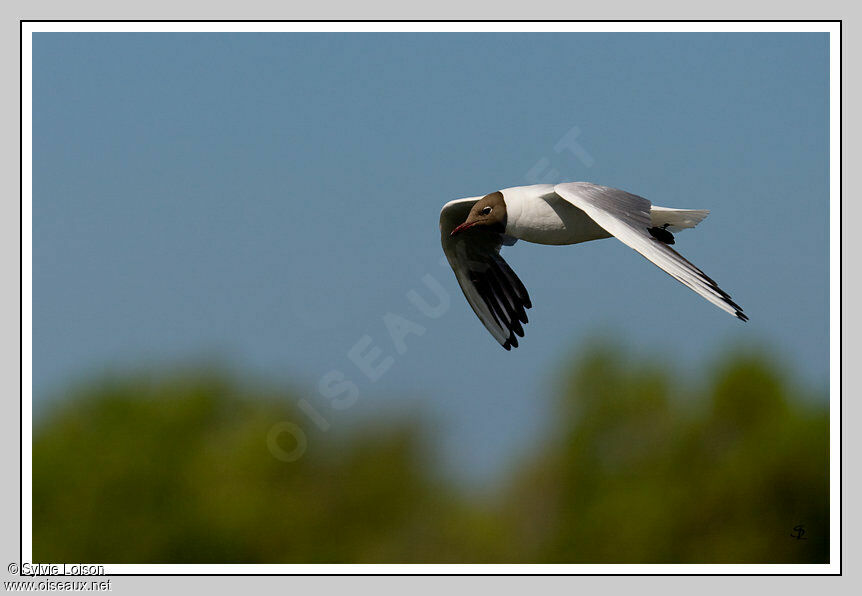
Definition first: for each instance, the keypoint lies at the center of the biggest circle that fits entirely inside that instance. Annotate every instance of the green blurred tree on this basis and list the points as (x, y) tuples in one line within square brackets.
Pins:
[(644, 470), (641, 468)]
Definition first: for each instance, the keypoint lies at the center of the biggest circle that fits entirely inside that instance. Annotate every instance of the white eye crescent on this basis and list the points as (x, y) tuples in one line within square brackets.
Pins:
[(486, 211)]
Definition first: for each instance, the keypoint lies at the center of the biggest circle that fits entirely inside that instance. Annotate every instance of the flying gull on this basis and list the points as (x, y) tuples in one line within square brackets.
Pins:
[(474, 229)]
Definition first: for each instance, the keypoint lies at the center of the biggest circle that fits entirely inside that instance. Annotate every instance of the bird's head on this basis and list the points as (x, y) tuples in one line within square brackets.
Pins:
[(488, 213)]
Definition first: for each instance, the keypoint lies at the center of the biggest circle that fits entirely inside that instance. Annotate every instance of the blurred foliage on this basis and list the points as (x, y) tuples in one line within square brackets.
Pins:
[(641, 468)]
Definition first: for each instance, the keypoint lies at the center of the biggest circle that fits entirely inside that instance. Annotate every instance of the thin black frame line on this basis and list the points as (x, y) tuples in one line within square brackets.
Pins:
[(840, 292), (840, 297), (431, 21), (21, 290)]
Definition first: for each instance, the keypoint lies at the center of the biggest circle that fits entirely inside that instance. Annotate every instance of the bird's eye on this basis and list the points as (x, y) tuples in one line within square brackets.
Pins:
[(486, 211)]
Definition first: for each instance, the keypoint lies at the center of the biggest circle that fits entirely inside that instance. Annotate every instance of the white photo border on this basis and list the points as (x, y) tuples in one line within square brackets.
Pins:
[(833, 28)]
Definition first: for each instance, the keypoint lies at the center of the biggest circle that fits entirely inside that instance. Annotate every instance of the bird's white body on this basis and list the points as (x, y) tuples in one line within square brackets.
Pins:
[(537, 214)]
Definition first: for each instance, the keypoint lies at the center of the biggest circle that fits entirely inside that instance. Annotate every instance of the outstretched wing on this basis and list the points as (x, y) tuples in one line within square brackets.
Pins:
[(496, 294), (627, 217)]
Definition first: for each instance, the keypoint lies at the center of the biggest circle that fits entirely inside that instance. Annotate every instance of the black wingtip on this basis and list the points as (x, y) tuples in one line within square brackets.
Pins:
[(661, 234), (511, 342), (741, 316)]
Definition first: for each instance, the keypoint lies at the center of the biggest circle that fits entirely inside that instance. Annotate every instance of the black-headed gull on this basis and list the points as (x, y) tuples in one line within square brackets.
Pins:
[(473, 230)]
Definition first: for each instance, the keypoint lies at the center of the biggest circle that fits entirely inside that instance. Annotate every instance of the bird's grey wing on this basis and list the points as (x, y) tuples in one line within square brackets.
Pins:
[(493, 290), (627, 217)]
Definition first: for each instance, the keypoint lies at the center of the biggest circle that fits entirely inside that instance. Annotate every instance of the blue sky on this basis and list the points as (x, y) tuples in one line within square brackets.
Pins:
[(265, 199)]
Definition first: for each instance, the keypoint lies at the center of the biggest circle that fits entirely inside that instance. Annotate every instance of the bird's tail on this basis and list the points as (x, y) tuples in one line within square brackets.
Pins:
[(675, 220)]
